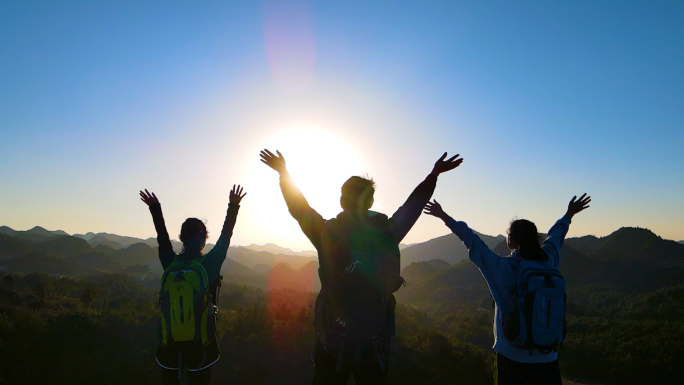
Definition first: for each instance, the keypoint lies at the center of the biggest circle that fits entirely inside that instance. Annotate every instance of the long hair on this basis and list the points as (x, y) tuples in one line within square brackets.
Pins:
[(193, 234), (525, 234)]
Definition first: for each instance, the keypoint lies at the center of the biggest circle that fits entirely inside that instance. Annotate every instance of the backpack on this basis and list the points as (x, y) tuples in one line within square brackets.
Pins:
[(187, 311), (536, 318), (359, 271)]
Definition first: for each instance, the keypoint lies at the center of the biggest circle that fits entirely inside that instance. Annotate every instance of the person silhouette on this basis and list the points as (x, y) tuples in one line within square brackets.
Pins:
[(516, 365), (358, 254), (189, 293)]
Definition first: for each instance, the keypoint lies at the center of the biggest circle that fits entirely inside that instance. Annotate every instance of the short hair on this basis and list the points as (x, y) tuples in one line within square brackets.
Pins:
[(357, 192)]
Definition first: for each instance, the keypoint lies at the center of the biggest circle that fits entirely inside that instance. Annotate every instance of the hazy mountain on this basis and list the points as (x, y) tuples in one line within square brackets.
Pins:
[(275, 249), (251, 258), (448, 248), (138, 254), (13, 247), (681, 242), (64, 246), (262, 269), (40, 261), (282, 276), (119, 241), (111, 240), (631, 260), (420, 270), (232, 268), (35, 234)]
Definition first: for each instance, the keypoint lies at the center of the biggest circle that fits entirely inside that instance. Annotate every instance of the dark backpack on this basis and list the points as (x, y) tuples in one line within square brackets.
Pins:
[(536, 318), (359, 271)]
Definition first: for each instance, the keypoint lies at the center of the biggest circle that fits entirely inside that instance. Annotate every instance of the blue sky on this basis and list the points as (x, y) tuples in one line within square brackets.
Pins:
[(543, 99)]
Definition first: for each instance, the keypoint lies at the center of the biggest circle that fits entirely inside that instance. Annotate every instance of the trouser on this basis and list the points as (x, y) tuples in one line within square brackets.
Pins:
[(509, 372), (199, 377), (325, 371)]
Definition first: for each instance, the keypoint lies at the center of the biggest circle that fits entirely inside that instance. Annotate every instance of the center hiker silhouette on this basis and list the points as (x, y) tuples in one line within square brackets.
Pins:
[(189, 291), (529, 293), (358, 253)]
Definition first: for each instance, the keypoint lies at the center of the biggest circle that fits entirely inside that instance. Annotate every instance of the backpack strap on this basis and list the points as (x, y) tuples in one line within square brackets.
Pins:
[(340, 353), (376, 350), (180, 364)]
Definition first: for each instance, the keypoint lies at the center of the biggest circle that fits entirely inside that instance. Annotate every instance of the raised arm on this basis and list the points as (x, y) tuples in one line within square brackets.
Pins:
[(554, 240), (166, 253), (490, 264), (407, 215), (217, 254), (310, 221)]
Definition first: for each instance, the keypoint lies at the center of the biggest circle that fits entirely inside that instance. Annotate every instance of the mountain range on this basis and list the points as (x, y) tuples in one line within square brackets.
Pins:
[(632, 259)]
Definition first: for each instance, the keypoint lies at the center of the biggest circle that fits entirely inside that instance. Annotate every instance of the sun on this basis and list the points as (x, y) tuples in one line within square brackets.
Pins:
[(319, 161)]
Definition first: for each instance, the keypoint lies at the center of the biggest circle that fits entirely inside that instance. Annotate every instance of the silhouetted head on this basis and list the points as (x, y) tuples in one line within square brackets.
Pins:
[(357, 193), (193, 235), (522, 235)]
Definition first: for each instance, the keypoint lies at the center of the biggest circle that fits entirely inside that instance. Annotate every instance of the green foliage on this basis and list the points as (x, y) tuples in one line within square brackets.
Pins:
[(104, 330)]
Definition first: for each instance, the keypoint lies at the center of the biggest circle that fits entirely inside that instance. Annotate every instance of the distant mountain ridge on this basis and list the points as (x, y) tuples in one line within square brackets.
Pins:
[(448, 248), (275, 249), (58, 253), (34, 234), (631, 259)]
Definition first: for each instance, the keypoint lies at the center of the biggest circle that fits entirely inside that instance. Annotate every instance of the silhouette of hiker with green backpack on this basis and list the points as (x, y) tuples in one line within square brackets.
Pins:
[(189, 294), (358, 253)]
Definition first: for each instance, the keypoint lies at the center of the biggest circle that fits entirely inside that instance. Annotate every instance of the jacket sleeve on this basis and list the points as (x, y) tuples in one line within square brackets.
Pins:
[(491, 265), (554, 240), (407, 215), (166, 253), (217, 255), (309, 220)]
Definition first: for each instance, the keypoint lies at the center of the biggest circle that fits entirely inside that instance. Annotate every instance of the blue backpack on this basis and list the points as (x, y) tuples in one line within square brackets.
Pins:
[(536, 318)]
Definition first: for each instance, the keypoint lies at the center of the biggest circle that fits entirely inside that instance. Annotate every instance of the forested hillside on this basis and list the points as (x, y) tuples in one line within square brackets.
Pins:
[(76, 313), (103, 330)]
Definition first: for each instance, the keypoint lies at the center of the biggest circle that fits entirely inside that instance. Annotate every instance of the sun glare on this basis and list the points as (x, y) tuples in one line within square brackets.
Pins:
[(319, 162)]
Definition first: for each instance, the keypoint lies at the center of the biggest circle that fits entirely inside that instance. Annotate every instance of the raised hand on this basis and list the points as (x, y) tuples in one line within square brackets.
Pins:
[(236, 195), (446, 165), (435, 209), (149, 198), (577, 205), (276, 162)]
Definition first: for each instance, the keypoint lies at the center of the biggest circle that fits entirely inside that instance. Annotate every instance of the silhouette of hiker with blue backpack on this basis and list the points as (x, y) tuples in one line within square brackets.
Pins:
[(359, 263), (189, 293), (529, 293)]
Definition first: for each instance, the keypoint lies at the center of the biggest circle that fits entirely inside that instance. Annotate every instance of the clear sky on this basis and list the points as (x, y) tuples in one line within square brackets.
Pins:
[(543, 99)]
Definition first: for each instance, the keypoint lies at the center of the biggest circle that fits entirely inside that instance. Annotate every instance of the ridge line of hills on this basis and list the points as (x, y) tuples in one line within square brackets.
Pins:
[(637, 252)]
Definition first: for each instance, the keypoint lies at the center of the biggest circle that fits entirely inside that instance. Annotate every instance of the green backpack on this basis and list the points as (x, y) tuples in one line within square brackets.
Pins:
[(187, 312)]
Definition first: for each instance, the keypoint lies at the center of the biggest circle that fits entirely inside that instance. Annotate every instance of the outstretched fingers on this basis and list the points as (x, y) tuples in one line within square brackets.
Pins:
[(433, 208), (148, 197), (236, 194), (238, 191), (576, 205)]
